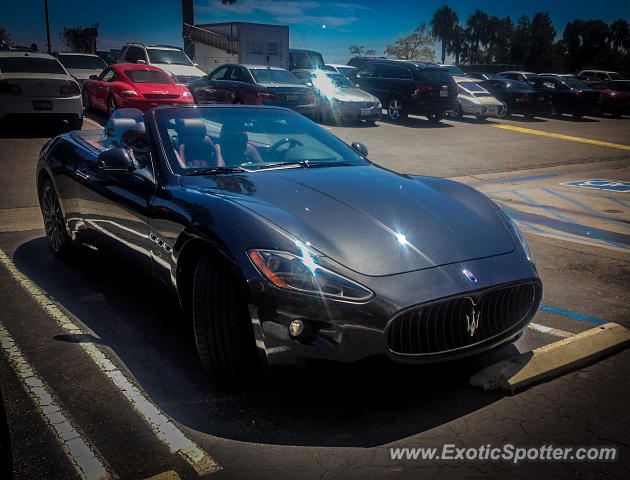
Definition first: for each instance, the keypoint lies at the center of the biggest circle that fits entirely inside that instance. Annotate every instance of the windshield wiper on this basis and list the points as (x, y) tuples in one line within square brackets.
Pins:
[(279, 165), (217, 171)]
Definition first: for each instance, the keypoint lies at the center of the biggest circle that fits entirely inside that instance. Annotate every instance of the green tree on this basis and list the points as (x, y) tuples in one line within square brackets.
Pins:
[(443, 26), (417, 46), (542, 35), (360, 51), (620, 35), (80, 39), (478, 32), (5, 39), (457, 46), (521, 40)]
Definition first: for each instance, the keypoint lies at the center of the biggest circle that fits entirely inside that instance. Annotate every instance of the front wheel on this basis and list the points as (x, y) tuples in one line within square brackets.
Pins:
[(54, 223), (395, 110), (223, 329)]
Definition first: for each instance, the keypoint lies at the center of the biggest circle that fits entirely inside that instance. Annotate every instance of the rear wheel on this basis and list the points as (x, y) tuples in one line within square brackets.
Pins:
[(435, 117), (75, 123), (87, 104), (54, 223), (395, 110), (223, 330), (111, 105)]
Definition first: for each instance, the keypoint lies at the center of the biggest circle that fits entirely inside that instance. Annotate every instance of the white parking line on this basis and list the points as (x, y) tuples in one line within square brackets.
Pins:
[(163, 428), (551, 331), (83, 456)]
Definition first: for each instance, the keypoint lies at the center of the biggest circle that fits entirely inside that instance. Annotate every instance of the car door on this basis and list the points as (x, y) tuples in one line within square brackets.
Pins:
[(393, 80), (100, 90), (366, 79), (213, 90), (114, 205)]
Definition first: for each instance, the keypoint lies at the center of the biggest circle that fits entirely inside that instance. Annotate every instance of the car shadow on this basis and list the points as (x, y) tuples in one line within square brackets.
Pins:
[(373, 402), (523, 119), (475, 121), (32, 127), (417, 122)]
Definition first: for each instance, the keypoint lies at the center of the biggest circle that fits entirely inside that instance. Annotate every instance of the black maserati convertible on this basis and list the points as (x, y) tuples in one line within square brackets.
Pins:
[(283, 243)]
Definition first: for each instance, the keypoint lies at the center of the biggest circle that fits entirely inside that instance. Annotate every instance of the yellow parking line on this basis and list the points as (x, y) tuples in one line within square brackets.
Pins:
[(563, 137)]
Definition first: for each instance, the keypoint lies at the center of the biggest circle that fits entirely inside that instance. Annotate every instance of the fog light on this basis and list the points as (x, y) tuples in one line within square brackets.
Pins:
[(296, 327)]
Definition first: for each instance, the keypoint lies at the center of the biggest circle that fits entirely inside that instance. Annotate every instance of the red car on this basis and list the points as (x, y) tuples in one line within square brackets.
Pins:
[(614, 97), (129, 85)]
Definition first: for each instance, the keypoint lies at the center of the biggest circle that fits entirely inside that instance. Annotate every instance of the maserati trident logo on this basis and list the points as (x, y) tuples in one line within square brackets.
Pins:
[(472, 320)]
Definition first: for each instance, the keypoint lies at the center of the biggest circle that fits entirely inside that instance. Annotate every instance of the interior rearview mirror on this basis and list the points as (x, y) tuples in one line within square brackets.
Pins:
[(115, 160), (360, 148)]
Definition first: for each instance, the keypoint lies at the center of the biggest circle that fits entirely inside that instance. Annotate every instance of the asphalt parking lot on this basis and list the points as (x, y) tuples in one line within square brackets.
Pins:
[(561, 179)]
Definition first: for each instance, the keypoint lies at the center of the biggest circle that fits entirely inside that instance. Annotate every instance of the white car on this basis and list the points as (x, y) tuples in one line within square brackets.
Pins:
[(476, 100), (82, 65), (170, 59), (37, 84), (343, 69)]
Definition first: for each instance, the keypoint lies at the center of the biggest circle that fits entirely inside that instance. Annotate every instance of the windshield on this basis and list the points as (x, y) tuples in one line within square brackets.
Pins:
[(85, 62), (516, 85), (346, 70), (267, 75), (574, 83), (336, 80), (168, 56), (30, 65), (248, 138), (616, 76), (454, 70), (471, 86), (148, 76)]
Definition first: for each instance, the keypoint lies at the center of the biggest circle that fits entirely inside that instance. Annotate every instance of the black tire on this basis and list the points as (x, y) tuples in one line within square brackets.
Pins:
[(395, 109), (577, 115), (54, 223), (111, 105), (223, 331), (75, 123), (87, 104), (555, 110), (435, 117)]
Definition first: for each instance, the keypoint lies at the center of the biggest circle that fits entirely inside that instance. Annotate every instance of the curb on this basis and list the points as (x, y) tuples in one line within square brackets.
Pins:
[(553, 360)]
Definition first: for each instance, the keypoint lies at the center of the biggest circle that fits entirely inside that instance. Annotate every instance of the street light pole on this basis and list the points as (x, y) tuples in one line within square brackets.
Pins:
[(47, 25)]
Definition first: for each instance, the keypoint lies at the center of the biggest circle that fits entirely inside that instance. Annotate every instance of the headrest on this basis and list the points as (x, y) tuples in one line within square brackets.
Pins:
[(190, 127)]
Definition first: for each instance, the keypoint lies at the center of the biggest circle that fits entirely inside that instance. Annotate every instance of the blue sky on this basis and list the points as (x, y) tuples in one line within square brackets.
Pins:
[(373, 24)]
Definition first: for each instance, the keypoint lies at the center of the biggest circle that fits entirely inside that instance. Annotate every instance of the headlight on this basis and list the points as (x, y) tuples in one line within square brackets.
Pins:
[(302, 273), (377, 103), (517, 233)]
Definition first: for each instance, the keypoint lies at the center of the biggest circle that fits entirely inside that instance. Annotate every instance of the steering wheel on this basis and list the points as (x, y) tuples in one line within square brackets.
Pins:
[(292, 142)]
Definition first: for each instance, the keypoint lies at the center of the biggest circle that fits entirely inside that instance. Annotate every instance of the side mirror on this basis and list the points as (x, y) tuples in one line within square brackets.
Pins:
[(360, 148), (309, 84), (115, 160), (93, 77)]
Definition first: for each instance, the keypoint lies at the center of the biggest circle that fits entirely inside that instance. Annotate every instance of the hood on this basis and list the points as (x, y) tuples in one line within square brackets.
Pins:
[(83, 74), (177, 70), (352, 95), (370, 220)]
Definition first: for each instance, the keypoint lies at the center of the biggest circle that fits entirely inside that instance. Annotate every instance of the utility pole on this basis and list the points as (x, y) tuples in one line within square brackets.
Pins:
[(47, 25)]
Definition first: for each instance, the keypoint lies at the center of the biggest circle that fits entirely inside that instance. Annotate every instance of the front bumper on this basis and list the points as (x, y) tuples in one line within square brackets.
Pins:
[(347, 332), (65, 107), (309, 110), (353, 112)]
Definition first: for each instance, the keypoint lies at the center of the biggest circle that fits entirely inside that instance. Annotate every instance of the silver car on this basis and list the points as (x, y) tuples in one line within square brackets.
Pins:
[(338, 99)]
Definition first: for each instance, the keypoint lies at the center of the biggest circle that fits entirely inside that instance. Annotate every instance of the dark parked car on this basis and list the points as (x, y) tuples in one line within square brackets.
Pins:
[(405, 87), (525, 77), (339, 100), (594, 78), (568, 95), (614, 97), (518, 97), (305, 59), (484, 75), (284, 243), (254, 85)]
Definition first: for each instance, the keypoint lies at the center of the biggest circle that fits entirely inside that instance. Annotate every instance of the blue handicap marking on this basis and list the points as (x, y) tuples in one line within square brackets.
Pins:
[(611, 185)]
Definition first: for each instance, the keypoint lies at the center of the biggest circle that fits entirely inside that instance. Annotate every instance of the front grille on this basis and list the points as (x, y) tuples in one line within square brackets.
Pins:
[(443, 326), (160, 96)]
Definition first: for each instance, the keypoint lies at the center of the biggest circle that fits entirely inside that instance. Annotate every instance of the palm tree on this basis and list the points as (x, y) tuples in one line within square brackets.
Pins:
[(620, 34), (442, 26), (477, 24), (457, 46)]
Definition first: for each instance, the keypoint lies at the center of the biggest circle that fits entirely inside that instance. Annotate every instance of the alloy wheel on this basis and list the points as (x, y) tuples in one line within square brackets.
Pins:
[(393, 110), (53, 219)]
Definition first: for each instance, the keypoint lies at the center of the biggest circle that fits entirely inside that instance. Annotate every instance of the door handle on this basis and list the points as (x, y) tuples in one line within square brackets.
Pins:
[(81, 174)]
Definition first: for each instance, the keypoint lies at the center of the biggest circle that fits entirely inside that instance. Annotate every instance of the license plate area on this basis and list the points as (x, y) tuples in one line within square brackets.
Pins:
[(292, 98), (444, 92), (42, 105)]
